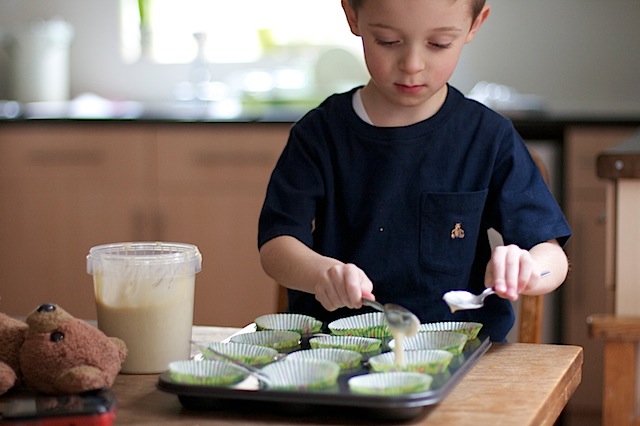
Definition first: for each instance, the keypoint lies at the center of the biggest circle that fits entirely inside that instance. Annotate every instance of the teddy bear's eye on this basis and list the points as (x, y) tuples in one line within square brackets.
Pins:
[(56, 336)]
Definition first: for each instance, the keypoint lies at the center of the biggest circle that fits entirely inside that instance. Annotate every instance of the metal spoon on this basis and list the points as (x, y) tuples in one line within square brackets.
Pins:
[(459, 300), (399, 318)]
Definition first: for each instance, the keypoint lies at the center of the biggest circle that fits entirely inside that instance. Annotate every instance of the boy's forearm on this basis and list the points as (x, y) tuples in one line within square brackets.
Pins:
[(552, 258), (294, 265)]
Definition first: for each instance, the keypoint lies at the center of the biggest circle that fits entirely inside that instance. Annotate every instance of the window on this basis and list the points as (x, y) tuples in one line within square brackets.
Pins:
[(229, 31), (248, 54)]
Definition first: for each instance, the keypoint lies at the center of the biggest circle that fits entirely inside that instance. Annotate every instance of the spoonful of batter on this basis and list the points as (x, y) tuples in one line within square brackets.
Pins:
[(399, 319), (401, 322)]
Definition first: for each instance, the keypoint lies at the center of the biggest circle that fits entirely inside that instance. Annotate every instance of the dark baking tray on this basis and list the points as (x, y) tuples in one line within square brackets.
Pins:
[(394, 407)]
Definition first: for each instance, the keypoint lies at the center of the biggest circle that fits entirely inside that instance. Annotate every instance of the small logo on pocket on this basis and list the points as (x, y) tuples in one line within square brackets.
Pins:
[(457, 231)]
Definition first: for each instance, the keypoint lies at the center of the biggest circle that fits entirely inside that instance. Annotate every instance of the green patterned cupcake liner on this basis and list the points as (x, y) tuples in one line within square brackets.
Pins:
[(390, 383), (451, 341), (370, 324), (428, 361), (302, 324), (276, 339), (206, 373)]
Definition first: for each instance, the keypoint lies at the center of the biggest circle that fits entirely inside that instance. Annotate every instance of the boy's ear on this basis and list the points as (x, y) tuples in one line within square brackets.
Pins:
[(352, 17), (482, 16)]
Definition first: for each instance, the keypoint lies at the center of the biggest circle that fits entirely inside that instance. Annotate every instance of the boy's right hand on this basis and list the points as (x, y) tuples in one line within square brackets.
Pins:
[(343, 285)]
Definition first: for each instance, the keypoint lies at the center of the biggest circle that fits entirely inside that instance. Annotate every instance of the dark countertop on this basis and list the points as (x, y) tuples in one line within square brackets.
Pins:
[(537, 125)]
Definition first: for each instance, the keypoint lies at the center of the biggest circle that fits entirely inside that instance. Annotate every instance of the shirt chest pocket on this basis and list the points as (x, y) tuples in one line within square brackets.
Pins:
[(449, 229)]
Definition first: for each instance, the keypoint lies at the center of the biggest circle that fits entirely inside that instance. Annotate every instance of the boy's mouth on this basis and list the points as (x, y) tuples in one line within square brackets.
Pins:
[(409, 89)]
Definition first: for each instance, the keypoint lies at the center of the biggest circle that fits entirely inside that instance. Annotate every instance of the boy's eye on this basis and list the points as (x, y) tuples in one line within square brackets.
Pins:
[(385, 42), (440, 45)]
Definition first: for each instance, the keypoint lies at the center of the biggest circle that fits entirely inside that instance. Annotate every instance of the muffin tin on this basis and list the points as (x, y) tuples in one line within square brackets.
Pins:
[(250, 392)]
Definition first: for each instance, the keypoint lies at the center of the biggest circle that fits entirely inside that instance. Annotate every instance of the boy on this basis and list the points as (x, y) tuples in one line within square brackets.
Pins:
[(387, 192)]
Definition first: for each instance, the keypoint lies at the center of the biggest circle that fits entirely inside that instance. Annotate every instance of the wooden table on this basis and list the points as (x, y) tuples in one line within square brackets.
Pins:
[(512, 384)]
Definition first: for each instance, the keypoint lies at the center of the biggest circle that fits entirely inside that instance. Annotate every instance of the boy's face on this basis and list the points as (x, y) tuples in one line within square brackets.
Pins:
[(412, 47)]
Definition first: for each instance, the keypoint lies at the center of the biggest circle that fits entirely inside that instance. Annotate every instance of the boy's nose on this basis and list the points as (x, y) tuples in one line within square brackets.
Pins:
[(412, 60)]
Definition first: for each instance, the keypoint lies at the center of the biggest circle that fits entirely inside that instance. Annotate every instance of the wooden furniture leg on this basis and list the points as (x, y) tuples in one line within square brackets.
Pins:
[(531, 312), (621, 337)]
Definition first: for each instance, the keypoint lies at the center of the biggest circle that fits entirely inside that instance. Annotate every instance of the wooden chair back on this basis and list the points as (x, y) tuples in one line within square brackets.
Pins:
[(621, 384), (532, 307)]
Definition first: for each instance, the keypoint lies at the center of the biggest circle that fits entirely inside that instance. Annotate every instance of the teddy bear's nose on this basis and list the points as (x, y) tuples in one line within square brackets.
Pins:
[(47, 308)]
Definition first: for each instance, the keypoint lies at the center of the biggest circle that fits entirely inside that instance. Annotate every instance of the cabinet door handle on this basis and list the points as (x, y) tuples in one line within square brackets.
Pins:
[(210, 159), (66, 157), (148, 225), (158, 226), (138, 231)]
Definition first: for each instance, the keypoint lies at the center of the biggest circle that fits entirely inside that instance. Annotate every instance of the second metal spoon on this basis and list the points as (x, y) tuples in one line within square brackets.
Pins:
[(459, 300)]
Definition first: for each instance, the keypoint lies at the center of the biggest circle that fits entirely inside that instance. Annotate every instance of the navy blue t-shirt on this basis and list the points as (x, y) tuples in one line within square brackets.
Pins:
[(411, 205)]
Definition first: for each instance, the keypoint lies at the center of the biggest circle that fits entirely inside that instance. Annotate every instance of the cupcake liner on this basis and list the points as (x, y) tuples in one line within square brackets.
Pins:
[(355, 343), (345, 358), (302, 324), (302, 374), (276, 339), (246, 353), (429, 361), (446, 340), (206, 373), (471, 329), (390, 383), (370, 324)]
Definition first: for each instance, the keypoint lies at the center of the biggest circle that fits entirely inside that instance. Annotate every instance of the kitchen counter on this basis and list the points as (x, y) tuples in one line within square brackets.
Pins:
[(532, 124), (518, 384)]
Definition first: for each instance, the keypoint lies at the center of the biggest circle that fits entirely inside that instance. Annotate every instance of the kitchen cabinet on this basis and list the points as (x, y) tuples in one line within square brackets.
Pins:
[(586, 291), (67, 186), (211, 185)]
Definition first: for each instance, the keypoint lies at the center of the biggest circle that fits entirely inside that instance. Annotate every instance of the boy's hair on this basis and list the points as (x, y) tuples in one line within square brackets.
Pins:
[(476, 7)]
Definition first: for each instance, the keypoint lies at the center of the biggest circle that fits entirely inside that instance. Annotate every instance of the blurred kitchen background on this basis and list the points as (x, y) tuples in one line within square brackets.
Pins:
[(570, 55), (165, 125)]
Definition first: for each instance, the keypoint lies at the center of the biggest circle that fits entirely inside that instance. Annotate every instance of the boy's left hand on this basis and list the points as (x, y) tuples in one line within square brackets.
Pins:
[(511, 271)]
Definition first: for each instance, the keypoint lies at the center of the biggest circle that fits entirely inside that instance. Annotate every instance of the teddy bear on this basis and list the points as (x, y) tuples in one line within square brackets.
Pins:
[(59, 354)]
